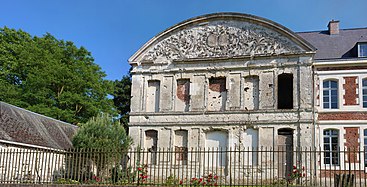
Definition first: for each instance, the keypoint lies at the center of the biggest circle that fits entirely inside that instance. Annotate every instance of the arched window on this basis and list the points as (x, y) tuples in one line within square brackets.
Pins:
[(331, 146), (364, 92), (330, 94)]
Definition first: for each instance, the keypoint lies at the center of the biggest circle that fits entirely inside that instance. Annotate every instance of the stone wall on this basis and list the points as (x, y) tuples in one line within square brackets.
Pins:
[(223, 74)]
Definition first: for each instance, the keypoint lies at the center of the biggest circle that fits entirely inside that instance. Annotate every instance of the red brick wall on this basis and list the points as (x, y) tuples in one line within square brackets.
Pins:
[(350, 86), (351, 137), (331, 173), (341, 68), (343, 116), (217, 84), (183, 90)]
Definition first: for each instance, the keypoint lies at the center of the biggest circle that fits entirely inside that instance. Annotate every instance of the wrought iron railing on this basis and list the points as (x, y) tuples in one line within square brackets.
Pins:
[(263, 166)]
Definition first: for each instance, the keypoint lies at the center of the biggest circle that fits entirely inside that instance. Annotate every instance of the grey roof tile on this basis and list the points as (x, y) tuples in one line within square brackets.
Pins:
[(22, 126), (342, 45)]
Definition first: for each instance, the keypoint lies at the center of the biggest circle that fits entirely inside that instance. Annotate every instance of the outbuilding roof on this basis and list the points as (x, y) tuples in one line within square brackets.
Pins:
[(25, 128), (336, 46)]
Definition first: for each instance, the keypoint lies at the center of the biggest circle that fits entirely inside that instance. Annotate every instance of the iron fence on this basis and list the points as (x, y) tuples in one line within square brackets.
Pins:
[(264, 166)]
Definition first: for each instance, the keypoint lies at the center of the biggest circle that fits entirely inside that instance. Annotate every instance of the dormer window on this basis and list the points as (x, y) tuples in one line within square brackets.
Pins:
[(362, 49)]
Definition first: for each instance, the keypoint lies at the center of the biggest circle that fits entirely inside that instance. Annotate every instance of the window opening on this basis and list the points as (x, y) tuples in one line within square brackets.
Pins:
[(153, 96), (285, 91), (331, 146), (217, 95), (364, 93), (151, 140), (181, 149), (330, 94), (183, 95), (365, 147), (362, 50)]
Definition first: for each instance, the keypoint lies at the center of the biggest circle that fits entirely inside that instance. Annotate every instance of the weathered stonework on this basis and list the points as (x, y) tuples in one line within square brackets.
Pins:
[(221, 39), (218, 85)]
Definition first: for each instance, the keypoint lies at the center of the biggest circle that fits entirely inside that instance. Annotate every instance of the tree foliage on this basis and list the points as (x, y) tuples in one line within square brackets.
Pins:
[(100, 132), (121, 98), (51, 77), (107, 137)]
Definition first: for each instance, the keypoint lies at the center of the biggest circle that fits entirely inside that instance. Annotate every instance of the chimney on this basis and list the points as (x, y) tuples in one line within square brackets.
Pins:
[(333, 27)]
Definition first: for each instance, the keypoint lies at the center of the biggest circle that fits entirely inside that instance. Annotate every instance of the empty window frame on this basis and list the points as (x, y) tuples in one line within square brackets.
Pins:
[(331, 146), (362, 49), (285, 91), (151, 141), (364, 93), (330, 94), (181, 140), (183, 95), (217, 95)]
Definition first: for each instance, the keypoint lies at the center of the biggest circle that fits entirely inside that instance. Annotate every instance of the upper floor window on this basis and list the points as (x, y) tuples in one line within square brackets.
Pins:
[(331, 146), (330, 94), (364, 92), (153, 96), (183, 95), (285, 91), (362, 49), (217, 94)]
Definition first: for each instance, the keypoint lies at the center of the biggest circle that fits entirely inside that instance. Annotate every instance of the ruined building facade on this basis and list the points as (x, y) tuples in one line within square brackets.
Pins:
[(223, 80)]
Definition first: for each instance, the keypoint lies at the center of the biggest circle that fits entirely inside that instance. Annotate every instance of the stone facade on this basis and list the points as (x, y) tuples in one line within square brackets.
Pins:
[(222, 80)]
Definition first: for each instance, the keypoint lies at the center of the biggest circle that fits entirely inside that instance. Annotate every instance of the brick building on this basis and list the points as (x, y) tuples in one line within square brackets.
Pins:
[(340, 79)]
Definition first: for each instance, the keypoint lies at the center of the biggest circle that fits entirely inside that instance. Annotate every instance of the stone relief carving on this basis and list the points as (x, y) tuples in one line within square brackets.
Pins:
[(220, 41)]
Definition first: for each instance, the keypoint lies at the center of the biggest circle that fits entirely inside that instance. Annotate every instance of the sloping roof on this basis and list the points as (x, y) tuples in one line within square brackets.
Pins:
[(23, 127), (342, 45)]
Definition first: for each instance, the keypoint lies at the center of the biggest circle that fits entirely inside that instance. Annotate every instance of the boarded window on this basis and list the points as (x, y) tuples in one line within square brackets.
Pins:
[(153, 95), (251, 91), (216, 142), (285, 91), (183, 95), (217, 94)]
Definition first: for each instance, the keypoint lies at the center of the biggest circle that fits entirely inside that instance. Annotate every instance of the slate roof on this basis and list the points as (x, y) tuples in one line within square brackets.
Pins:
[(20, 126), (340, 46)]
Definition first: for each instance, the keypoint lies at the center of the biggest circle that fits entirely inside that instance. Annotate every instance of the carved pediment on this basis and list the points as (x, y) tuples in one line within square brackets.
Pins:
[(221, 40)]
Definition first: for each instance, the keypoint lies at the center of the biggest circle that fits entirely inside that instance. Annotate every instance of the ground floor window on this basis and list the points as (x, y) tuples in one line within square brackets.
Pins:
[(365, 147), (331, 146)]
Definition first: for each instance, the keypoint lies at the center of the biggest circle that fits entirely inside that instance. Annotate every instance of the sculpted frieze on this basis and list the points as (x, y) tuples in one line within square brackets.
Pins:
[(213, 41)]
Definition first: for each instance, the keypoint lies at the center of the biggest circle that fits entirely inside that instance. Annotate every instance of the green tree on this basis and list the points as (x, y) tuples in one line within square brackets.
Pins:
[(107, 137), (104, 132), (52, 77), (121, 98)]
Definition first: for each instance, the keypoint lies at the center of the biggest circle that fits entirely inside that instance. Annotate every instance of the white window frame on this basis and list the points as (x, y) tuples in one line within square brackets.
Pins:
[(330, 137), (364, 93), (329, 90), (360, 54)]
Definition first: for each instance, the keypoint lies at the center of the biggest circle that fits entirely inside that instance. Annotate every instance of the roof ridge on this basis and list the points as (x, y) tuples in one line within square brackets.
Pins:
[(357, 28), (23, 109)]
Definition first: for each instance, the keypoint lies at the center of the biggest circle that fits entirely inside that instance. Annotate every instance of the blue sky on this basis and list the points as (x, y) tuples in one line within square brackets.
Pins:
[(112, 30)]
